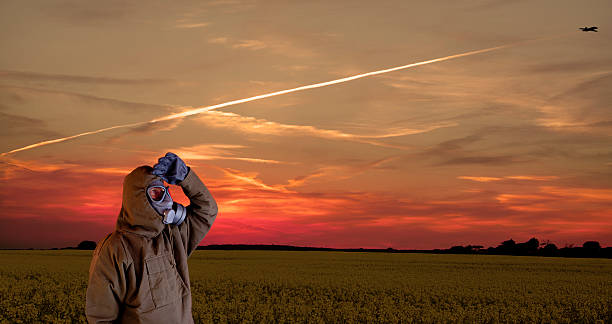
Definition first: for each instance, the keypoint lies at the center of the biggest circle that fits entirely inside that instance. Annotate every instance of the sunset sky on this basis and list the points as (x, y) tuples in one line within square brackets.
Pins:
[(512, 143)]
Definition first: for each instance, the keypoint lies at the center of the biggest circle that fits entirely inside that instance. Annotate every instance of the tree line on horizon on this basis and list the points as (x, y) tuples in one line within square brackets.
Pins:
[(532, 247), (589, 249)]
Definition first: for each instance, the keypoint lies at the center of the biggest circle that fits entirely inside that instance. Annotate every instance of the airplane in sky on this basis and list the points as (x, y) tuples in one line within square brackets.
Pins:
[(588, 29)]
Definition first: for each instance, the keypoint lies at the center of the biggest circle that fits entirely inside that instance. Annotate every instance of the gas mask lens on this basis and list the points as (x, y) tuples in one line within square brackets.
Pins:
[(161, 201), (157, 193)]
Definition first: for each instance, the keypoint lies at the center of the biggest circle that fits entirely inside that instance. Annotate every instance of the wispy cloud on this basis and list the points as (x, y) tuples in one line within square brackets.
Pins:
[(293, 68), (493, 4), (245, 179), (340, 172), (191, 25), (231, 6), (251, 178), (218, 152), (266, 127), (516, 177), (484, 160), (13, 168), (112, 12), (532, 178), (275, 44), (15, 125), (218, 40), (580, 194), (580, 65), (578, 108), (146, 129), (30, 93), (556, 198), (35, 76), (252, 44)]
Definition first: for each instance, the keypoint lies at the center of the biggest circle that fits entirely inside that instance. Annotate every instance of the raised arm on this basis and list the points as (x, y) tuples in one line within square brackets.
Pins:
[(201, 212)]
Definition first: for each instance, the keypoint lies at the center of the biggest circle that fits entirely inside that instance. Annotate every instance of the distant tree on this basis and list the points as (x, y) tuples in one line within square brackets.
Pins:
[(533, 244), (549, 250), (591, 245), (507, 247), (458, 249), (590, 249), (87, 245), (526, 248), (465, 249), (508, 244)]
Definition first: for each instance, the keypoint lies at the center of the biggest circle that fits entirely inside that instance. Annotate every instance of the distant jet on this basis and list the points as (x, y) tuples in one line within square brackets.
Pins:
[(588, 29)]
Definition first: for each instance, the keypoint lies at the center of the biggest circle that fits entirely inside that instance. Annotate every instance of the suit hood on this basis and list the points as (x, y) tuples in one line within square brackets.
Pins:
[(137, 215)]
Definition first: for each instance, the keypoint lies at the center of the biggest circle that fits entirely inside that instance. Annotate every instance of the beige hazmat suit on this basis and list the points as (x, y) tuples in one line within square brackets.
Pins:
[(139, 273)]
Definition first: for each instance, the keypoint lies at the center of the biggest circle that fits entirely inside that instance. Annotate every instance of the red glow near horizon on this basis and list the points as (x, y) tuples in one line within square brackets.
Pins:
[(84, 206)]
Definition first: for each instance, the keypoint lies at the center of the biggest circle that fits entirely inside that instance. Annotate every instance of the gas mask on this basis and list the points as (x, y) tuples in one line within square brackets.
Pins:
[(160, 199)]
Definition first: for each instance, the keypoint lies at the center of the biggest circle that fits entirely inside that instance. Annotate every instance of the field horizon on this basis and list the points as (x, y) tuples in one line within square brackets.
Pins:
[(332, 286), (532, 247)]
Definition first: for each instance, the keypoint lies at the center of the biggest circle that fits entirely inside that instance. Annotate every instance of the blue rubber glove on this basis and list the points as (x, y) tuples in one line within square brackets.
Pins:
[(171, 168)]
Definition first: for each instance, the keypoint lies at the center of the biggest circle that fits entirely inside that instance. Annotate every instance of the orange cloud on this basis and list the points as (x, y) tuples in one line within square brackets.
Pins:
[(112, 170), (532, 178), (518, 177), (480, 179), (580, 194), (586, 201)]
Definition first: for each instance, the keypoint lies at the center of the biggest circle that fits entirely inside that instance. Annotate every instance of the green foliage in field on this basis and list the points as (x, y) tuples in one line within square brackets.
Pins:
[(323, 287)]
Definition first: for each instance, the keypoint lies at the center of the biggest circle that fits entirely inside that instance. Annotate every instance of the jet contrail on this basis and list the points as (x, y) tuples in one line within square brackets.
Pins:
[(200, 110)]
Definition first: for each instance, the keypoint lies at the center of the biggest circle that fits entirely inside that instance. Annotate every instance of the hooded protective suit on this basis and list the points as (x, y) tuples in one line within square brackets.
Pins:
[(139, 273)]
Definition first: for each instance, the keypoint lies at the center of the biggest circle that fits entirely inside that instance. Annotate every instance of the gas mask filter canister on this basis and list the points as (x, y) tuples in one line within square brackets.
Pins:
[(176, 215)]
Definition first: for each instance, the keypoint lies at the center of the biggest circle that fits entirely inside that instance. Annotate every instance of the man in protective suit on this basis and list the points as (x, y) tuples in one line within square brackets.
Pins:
[(139, 273)]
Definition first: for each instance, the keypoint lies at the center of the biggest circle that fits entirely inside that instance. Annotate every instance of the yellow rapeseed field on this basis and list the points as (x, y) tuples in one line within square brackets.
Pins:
[(332, 287)]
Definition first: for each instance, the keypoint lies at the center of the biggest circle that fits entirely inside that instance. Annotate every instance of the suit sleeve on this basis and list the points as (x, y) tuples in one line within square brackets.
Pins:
[(201, 212), (106, 289)]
